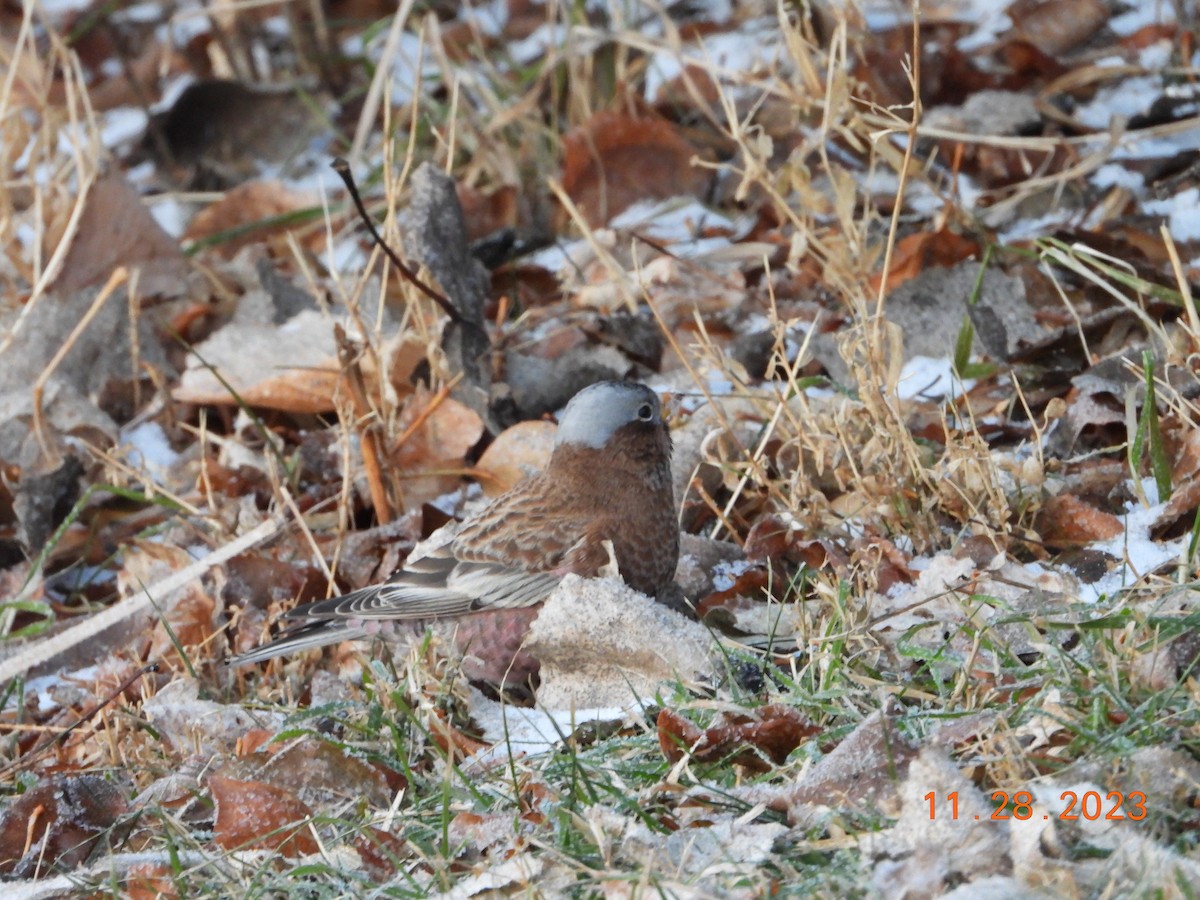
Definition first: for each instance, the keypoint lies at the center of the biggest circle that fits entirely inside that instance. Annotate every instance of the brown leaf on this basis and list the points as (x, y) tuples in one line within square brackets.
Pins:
[(1067, 521), (449, 739), (247, 208), (863, 772), (380, 852), (57, 824), (770, 539), (294, 369), (516, 453), (436, 432), (311, 767), (1179, 512), (149, 881), (752, 583), (916, 252), (751, 740), (614, 160), (1056, 27), (116, 229), (675, 735), (253, 741), (185, 615), (256, 816), (486, 213)]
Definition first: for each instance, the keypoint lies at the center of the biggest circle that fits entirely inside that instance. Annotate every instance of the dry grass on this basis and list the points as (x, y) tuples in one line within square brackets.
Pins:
[(842, 464)]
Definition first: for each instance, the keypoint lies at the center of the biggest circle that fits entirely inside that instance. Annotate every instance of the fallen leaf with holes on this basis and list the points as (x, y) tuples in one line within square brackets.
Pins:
[(756, 740)]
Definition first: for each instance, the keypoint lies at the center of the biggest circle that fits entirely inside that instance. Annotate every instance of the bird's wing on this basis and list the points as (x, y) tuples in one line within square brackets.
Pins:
[(589, 555), (438, 585)]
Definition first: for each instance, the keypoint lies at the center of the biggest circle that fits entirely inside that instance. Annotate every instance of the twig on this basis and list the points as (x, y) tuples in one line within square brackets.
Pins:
[(369, 436), (45, 650), (342, 167)]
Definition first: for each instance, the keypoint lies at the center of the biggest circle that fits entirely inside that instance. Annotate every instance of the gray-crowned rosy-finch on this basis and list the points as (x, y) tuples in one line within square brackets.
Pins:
[(608, 483)]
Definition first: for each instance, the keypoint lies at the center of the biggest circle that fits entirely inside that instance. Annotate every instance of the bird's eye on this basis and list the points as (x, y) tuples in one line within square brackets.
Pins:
[(645, 412)]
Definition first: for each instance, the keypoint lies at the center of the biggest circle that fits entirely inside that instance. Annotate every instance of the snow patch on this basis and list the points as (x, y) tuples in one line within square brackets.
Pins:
[(928, 379)]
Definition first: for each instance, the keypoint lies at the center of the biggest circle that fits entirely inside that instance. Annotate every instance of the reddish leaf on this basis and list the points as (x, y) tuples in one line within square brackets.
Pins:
[(770, 539), (487, 213), (380, 852), (916, 252), (675, 735), (1058, 26), (449, 738), (615, 160), (752, 582), (57, 823), (768, 734), (256, 816), (1067, 521), (149, 881)]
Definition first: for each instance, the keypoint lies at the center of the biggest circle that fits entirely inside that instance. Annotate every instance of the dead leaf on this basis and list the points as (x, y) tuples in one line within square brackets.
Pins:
[(57, 824), (927, 851), (245, 212), (381, 852), (517, 453), (450, 739), (321, 773), (186, 615), (863, 772), (115, 230), (435, 433), (755, 740), (150, 881), (1056, 27), (615, 160), (292, 368), (256, 816), (916, 252), (1067, 521), (488, 212)]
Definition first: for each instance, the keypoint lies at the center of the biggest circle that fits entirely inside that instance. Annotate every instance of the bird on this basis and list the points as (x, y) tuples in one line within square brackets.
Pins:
[(604, 496)]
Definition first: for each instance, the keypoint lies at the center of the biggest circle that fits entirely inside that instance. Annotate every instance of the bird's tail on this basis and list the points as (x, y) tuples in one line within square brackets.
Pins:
[(305, 636)]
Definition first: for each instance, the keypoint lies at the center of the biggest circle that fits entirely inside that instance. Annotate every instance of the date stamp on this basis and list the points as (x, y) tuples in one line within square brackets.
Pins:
[(1090, 805)]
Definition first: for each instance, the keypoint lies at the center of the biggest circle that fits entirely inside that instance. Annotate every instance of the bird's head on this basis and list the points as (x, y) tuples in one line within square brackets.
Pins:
[(598, 412)]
